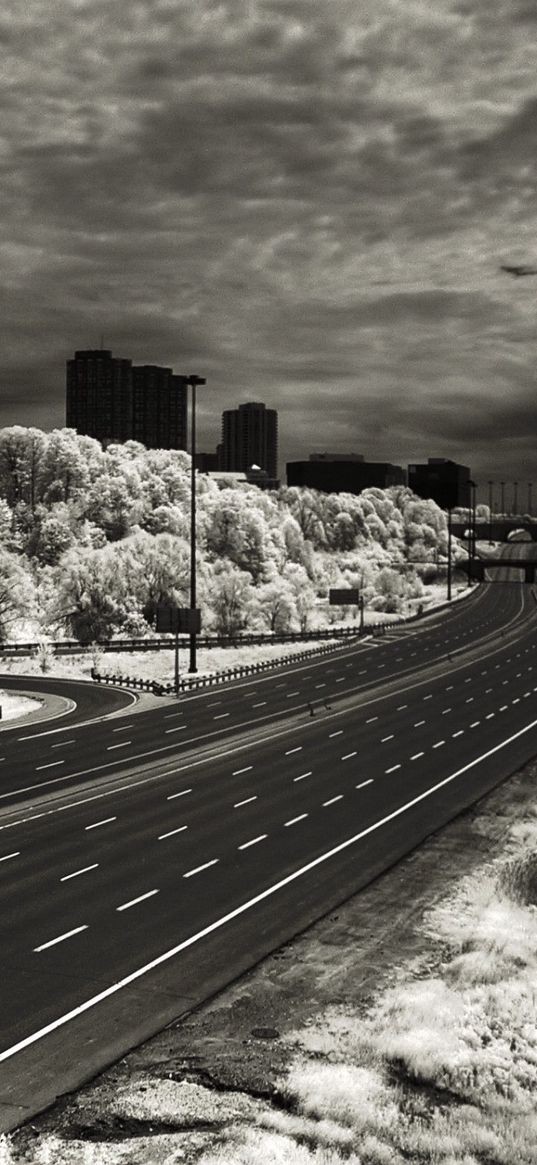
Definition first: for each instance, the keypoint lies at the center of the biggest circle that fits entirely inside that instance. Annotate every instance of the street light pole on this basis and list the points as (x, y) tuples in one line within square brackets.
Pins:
[(449, 552), (515, 498), (193, 381), (502, 483), (490, 513), (530, 502)]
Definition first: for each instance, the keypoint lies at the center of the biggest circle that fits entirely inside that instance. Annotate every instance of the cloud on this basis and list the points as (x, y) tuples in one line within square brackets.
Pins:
[(283, 195)]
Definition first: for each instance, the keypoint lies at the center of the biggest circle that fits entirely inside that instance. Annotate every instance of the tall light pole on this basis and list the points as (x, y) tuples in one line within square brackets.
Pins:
[(193, 381), (473, 488), (490, 513), (502, 483), (449, 554), (530, 502), (515, 498)]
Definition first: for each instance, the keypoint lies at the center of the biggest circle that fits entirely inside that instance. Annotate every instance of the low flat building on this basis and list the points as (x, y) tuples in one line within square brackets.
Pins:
[(443, 481), (343, 474)]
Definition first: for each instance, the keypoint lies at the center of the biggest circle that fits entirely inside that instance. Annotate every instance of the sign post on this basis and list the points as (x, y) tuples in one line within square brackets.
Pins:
[(178, 620)]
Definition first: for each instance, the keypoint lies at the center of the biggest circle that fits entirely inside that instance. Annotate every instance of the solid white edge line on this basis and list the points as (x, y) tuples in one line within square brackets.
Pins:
[(52, 943)]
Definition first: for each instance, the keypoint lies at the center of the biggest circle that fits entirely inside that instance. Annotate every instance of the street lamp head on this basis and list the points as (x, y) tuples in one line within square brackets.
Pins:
[(194, 380)]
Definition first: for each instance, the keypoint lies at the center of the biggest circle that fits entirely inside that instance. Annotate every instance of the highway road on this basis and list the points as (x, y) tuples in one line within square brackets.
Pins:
[(148, 859)]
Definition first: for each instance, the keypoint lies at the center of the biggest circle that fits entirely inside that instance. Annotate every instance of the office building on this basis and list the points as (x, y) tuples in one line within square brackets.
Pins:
[(447, 483), (108, 398), (340, 473), (250, 437)]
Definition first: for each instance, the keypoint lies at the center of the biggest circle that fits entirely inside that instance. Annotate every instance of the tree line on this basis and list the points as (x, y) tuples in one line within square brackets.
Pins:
[(93, 539)]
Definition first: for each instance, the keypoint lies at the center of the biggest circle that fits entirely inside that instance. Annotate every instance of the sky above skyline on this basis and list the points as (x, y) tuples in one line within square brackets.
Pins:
[(305, 201)]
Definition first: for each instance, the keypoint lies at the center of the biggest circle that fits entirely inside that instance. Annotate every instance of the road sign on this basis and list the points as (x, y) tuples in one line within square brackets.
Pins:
[(178, 620), (342, 598)]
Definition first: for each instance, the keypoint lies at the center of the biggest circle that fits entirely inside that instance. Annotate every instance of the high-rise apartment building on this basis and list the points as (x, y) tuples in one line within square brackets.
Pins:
[(111, 400), (99, 395), (250, 437), (159, 407)]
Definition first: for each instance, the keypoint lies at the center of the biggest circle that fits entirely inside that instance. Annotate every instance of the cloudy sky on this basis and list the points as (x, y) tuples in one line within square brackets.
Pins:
[(306, 201)]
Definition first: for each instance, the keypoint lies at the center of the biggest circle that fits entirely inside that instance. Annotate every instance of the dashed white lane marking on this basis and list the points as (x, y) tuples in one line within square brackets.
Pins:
[(290, 751), (439, 744), (214, 704), (302, 776), (469, 700), (221, 716), (135, 901), (475, 724), (63, 743), (490, 716), (85, 870), (170, 715), (449, 688), (237, 772), (249, 904), (417, 755), (459, 733), (517, 701), (289, 694), (123, 728), (6, 857), (363, 784), (383, 739), (294, 820), (51, 765), (338, 733), (371, 719), (419, 723), (254, 841), (446, 710), (246, 801), (348, 755), (198, 869), (429, 697), (320, 686), (61, 938), (96, 824), (183, 793), (178, 728), (260, 705), (172, 832), (333, 800), (401, 706), (341, 680), (124, 743), (393, 769)]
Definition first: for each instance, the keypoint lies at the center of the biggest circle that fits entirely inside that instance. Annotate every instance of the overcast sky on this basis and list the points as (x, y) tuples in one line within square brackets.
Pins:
[(306, 201)]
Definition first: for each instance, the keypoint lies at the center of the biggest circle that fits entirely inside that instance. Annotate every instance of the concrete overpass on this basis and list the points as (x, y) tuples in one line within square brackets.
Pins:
[(497, 531), (477, 567)]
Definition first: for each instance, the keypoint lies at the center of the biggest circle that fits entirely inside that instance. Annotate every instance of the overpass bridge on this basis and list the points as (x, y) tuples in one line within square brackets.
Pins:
[(496, 531), (477, 567)]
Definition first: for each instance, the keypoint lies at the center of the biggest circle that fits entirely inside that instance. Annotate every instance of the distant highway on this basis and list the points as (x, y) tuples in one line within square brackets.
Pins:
[(147, 860)]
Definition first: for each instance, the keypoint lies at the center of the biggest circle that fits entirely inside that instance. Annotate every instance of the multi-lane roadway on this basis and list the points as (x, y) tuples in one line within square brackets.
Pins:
[(148, 858)]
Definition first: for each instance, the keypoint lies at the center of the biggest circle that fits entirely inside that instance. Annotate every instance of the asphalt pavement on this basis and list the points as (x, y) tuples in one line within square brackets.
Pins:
[(147, 860)]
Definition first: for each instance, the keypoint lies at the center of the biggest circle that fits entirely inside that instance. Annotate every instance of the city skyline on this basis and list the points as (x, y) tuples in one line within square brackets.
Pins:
[(305, 204)]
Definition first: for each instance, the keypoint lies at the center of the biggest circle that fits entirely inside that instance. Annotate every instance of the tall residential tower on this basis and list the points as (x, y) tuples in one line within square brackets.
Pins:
[(250, 437), (111, 400)]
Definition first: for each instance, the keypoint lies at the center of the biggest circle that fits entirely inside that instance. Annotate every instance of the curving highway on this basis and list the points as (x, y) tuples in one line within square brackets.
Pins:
[(148, 859)]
